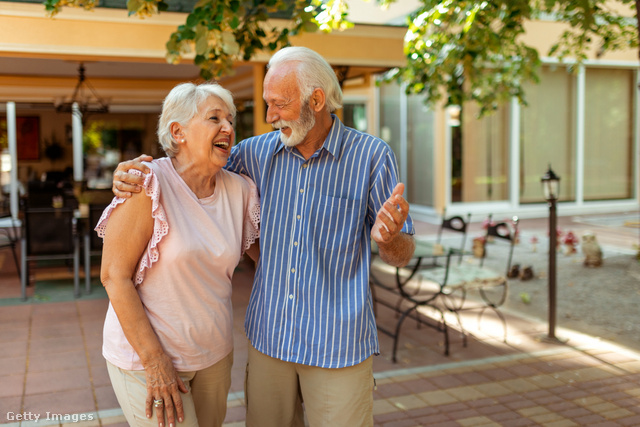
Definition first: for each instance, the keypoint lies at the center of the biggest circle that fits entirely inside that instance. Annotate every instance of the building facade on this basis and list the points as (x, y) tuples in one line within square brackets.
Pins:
[(581, 120)]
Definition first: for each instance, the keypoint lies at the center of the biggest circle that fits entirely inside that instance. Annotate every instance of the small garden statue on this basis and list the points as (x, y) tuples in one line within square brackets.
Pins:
[(478, 247), (591, 250)]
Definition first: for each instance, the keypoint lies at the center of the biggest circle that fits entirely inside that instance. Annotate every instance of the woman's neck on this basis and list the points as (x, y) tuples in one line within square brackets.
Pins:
[(201, 179)]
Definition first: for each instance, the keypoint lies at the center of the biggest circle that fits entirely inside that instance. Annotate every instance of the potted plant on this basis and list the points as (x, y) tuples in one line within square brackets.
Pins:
[(53, 150), (84, 199)]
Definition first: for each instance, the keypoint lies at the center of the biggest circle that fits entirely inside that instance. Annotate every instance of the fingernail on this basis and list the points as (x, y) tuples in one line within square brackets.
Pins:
[(148, 415), (180, 420)]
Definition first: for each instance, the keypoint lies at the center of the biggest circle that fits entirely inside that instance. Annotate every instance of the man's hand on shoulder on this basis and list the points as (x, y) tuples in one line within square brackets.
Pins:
[(125, 183)]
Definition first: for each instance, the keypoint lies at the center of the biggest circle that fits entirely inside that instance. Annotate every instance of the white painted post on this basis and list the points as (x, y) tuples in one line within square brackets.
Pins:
[(76, 128), (13, 154)]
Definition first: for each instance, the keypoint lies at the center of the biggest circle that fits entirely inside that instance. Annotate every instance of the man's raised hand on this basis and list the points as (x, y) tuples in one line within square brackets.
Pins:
[(391, 217)]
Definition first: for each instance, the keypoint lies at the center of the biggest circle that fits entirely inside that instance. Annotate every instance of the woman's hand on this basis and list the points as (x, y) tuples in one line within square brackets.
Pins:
[(164, 384), (125, 183)]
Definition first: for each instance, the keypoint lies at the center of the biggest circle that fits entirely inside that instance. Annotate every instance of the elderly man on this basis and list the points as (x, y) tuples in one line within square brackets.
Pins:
[(326, 191)]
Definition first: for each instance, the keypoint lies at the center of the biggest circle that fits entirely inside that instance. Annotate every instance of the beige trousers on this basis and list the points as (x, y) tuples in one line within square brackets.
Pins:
[(204, 405), (275, 391)]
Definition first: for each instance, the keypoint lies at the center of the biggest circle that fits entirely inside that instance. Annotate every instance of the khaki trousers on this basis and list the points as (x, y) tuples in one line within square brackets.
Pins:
[(275, 391), (204, 405)]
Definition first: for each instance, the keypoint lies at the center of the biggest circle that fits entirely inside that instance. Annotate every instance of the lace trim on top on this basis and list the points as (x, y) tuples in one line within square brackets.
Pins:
[(160, 224), (251, 226)]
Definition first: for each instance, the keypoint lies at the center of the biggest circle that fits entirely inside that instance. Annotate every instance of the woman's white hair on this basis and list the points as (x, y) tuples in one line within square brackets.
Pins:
[(313, 72), (182, 104)]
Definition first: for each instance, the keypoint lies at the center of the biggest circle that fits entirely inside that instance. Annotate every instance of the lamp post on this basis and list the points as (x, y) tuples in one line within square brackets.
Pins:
[(550, 185)]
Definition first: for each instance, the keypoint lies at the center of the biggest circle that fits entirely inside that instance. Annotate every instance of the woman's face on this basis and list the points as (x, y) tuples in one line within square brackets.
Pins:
[(210, 135)]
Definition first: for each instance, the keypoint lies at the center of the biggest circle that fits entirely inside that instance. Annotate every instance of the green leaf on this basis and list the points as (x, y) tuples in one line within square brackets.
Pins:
[(206, 73), (133, 6), (202, 40), (229, 44), (192, 20), (310, 27)]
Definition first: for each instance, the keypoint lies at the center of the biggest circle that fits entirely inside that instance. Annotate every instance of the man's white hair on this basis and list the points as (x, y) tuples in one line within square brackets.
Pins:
[(313, 71)]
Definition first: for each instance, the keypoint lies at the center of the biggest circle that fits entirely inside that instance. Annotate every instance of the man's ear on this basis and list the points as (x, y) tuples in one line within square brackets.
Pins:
[(317, 100)]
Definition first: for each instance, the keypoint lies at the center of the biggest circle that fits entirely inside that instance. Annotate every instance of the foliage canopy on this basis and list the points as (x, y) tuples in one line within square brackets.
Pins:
[(459, 49)]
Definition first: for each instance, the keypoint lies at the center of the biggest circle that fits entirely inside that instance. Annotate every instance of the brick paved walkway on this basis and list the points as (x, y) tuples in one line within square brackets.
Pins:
[(50, 362)]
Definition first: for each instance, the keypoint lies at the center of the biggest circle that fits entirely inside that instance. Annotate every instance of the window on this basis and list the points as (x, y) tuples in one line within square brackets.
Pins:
[(547, 134), (480, 156), (420, 151), (390, 120), (355, 116), (407, 125), (608, 134)]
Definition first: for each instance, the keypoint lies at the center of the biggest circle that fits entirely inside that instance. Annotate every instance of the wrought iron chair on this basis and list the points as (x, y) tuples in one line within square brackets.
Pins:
[(456, 224), (408, 294), (49, 234), (9, 237), (456, 280)]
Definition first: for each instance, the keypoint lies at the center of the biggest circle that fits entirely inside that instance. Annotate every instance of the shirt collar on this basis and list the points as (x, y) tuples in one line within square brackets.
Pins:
[(332, 143)]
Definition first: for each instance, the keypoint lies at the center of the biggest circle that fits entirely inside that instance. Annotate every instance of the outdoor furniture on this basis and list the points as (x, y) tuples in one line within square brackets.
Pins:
[(47, 194), (426, 256), (49, 234), (9, 236), (456, 280), (444, 284), (455, 224)]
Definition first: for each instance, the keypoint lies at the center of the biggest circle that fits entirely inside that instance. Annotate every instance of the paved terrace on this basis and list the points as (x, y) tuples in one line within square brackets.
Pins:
[(51, 365)]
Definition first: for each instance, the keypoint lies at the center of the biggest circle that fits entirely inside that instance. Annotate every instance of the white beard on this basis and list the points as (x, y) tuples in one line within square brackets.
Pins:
[(299, 128)]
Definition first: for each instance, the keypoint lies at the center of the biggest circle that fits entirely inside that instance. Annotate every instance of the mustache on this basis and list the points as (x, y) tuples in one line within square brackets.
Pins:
[(282, 124)]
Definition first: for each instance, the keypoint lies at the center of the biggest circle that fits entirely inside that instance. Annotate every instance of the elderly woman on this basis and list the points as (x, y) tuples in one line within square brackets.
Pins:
[(169, 254)]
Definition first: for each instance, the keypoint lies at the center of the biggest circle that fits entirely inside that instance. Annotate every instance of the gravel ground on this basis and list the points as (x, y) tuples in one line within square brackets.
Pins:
[(599, 301)]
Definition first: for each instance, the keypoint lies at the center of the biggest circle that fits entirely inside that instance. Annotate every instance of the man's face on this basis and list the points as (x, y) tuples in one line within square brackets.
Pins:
[(286, 110), (298, 129)]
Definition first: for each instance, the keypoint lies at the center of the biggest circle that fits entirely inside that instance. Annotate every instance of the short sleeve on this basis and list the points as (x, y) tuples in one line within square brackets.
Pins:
[(251, 225), (160, 226)]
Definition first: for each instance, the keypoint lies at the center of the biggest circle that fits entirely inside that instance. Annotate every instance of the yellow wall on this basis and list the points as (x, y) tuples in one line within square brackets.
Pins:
[(108, 33), (543, 34)]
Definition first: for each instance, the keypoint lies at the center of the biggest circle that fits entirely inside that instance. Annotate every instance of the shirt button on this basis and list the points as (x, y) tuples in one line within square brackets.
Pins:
[(301, 191), (293, 270), (304, 166), (290, 296), (295, 243), (298, 216)]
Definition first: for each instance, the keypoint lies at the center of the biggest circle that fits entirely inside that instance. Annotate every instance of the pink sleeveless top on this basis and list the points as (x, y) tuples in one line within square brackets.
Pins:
[(184, 276)]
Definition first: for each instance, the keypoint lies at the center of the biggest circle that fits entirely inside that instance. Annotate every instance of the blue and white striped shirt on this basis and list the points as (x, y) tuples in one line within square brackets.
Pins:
[(311, 302)]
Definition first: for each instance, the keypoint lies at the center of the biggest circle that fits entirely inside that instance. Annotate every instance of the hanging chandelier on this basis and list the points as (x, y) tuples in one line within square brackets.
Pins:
[(85, 96)]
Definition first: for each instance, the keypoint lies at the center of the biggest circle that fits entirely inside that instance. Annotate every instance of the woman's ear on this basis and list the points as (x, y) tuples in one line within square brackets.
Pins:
[(177, 132)]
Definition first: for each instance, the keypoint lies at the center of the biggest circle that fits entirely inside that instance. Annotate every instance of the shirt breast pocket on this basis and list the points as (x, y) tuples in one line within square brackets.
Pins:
[(337, 223)]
